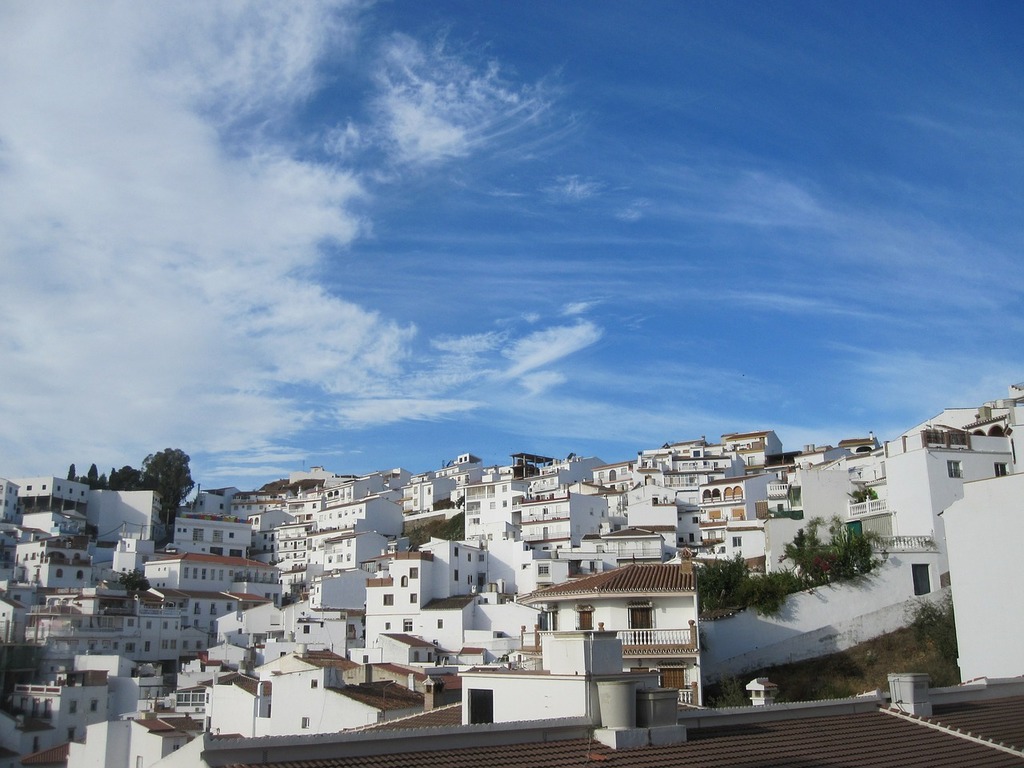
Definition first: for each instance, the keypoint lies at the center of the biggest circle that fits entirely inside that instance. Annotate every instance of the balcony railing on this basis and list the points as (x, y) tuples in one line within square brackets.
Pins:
[(868, 508), (906, 544), (635, 642), (657, 642)]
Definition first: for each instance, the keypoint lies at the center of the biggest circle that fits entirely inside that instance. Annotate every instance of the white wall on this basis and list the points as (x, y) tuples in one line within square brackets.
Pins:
[(984, 531), (816, 622)]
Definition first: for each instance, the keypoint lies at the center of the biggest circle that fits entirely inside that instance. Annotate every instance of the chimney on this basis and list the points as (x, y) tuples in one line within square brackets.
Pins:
[(762, 691), (908, 692), (432, 694)]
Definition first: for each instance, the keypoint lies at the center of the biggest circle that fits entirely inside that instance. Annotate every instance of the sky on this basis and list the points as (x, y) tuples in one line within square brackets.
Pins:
[(366, 235)]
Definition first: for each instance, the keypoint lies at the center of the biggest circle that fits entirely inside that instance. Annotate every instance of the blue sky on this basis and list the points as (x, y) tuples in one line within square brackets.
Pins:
[(367, 235)]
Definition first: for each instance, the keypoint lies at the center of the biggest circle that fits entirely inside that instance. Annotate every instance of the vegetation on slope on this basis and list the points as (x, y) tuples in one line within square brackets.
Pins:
[(927, 645), (845, 555)]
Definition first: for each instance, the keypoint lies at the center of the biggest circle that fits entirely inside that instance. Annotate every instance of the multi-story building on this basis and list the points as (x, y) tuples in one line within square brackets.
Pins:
[(212, 534), (651, 607), (555, 520), (52, 494), (54, 561)]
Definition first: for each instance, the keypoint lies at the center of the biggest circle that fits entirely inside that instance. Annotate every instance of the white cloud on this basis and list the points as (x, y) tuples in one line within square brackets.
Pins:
[(578, 307), (387, 410), (544, 347), (160, 267), (573, 188), (434, 106)]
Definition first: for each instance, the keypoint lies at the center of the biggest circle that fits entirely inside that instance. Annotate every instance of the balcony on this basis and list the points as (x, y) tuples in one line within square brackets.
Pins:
[(778, 490), (658, 642), (635, 642), (868, 509)]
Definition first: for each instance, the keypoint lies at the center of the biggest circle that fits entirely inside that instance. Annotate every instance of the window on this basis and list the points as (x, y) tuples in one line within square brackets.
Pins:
[(954, 469), (481, 706), (407, 625), (1000, 469), (440, 623), (585, 617), (543, 570), (305, 723), (314, 683), (412, 597), (195, 608), (197, 534), (387, 628), (922, 582), (60, 572), (305, 629), (389, 599), (737, 542), (641, 616), (72, 707), (455, 575), (94, 705), (414, 573), (79, 575), (146, 646)]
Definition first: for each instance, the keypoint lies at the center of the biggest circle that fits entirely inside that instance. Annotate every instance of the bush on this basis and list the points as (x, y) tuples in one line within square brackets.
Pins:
[(935, 623)]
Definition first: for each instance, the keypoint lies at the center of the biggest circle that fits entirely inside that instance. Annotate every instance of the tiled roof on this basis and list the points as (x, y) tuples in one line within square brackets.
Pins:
[(324, 658), (649, 530), (198, 557), (633, 578), (410, 640), (248, 684), (58, 754), (449, 603), (843, 741), (383, 695), (1001, 720), (434, 718)]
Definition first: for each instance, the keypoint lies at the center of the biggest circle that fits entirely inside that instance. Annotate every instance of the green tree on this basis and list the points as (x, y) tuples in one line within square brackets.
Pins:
[(71, 473), (93, 477), (719, 584), (167, 473), (125, 479), (134, 581)]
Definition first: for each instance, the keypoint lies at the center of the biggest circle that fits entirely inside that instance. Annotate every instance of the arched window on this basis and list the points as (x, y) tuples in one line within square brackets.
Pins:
[(716, 495), (79, 575), (706, 496), (728, 494), (405, 581), (737, 493), (611, 475), (60, 572), (995, 431)]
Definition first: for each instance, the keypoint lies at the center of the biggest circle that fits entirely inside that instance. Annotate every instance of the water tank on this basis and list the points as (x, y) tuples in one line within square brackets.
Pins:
[(618, 703), (656, 707)]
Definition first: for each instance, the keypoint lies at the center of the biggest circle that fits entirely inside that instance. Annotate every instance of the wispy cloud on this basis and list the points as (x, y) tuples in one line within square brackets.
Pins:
[(572, 188), (434, 105), (544, 347)]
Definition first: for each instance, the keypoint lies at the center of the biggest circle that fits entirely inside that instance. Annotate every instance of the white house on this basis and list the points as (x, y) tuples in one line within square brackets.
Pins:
[(114, 514), (652, 608), (983, 534), (212, 534)]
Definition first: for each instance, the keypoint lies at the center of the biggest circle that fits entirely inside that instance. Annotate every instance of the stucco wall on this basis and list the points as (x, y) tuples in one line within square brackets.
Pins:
[(816, 622)]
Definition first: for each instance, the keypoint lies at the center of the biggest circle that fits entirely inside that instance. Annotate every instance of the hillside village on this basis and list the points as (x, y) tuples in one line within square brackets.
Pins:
[(568, 613)]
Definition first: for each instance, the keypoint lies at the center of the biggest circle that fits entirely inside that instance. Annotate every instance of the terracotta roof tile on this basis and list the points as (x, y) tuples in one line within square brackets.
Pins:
[(846, 741), (58, 754), (638, 577)]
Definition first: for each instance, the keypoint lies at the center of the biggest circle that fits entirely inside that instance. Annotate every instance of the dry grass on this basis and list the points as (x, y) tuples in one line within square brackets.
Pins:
[(859, 669)]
